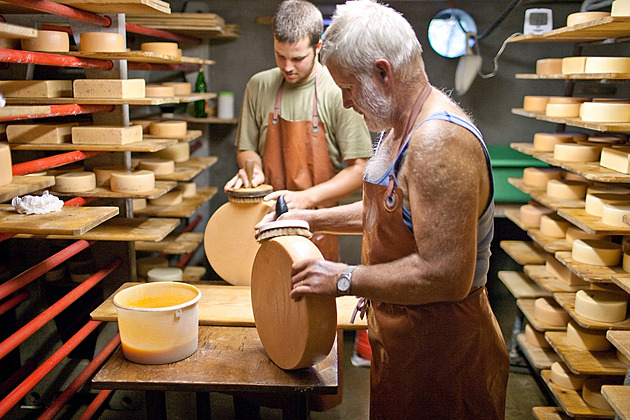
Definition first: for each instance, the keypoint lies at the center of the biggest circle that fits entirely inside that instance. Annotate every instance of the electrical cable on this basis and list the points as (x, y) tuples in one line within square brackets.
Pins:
[(496, 57), (498, 21), (594, 4)]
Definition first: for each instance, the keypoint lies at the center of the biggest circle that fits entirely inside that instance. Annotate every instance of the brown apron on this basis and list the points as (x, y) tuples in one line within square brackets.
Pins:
[(295, 157), (442, 360)]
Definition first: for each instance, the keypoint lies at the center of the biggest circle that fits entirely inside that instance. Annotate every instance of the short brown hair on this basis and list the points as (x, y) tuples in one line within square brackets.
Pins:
[(296, 19)]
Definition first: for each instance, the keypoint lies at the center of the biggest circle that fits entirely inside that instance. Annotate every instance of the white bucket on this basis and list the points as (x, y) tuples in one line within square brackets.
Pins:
[(158, 322)]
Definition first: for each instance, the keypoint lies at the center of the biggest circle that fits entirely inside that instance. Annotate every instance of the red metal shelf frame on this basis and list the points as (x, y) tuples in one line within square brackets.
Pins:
[(62, 110)]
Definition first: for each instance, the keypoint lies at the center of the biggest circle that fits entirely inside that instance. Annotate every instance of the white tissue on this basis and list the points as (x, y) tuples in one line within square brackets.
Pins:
[(33, 204)]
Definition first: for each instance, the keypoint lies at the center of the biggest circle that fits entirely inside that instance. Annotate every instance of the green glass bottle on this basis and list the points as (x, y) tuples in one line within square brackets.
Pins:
[(200, 87)]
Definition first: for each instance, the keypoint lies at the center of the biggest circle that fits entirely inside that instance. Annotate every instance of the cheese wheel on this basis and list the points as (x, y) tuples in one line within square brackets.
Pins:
[(165, 274), (6, 173), (549, 66), (570, 190), (601, 306), (573, 152), (181, 88), (616, 158), (596, 252), (103, 174), (592, 394), (591, 340), (549, 312), (188, 189), (179, 152), (530, 214), (574, 233), (607, 189), (132, 181), (36, 88), (158, 91), (144, 264), (605, 140), (553, 226), (171, 198), (562, 110), (562, 272), (47, 41), (607, 65), (567, 100), (563, 377), (165, 48), (106, 134), (620, 8), (10, 43), (577, 137), (72, 182), (158, 166), (545, 142), (612, 214), (605, 112), (573, 65), (39, 133), (102, 42), (536, 338), (108, 88), (538, 177), (139, 204), (583, 17), (535, 103), (144, 124), (168, 129), (594, 203)]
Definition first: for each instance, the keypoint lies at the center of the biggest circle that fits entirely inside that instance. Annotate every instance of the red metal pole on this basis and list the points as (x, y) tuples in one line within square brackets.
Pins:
[(78, 201), (5, 236), (158, 33), (96, 404), (21, 280), (62, 110), (55, 309), (51, 162), (44, 369), (81, 379), (46, 59), (63, 10), (13, 302)]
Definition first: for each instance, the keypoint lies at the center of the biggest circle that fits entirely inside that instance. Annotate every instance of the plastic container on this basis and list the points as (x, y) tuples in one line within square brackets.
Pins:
[(225, 105), (158, 322), (509, 163)]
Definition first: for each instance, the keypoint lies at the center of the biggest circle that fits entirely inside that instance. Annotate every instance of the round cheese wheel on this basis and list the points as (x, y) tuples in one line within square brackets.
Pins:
[(530, 214), (553, 226), (103, 174), (179, 152), (574, 233), (6, 173), (102, 42), (583, 17), (601, 306), (607, 65), (165, 48), (605, 140), (181, 88), (535, 103), (562, 272), (294, 334), (573, 152), (188, 189), (567, 100), (171, 198), (168, 129), (132, 181), (562, 376), (608, 112), (570, 190), (138, 203), (562, 110), (549, 66), (158, 166), (538, 177), (47, 41), (549, 312), (620, 8), (545, 142), (591, 340), (158, 91), (536, 338), (577, 137), (612, 214), (144, 264), (73, 182), (165, 274), (594, 203), (573, 65), (592, 394), (595, 252)]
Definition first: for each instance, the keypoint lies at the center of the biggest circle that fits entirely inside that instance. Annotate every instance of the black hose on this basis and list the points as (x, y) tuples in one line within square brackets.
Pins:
[(500, 19)]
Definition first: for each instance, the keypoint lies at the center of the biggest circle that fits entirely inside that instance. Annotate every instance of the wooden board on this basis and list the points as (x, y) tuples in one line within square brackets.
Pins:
[(588, 272), (520, 285), (120, 6), (622, 280), (190, 136), (551, 245), (584, 362), (10, 31), (148, 146), (161, 188), (515, 216), (140, 57), (175, 243), (608, 27), (193, 120), (123, 229), (575, 122), (555, 203), (526, 148), (524, 252), (546, 280), (21, 185), (575, 76), (591, 224), (538, 357), (593, 171), (68, 221), (232, 306), (109, 101), (518, 183), (185, 171), (567, 301), (618, 396), (621, 340), (527, 306), (549, 413), (185, 209)]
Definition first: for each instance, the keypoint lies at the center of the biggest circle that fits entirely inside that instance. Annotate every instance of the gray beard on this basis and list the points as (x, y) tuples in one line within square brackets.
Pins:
[(380, 161)]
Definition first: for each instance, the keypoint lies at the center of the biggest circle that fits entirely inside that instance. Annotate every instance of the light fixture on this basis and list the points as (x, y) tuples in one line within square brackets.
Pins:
[(468, 67)]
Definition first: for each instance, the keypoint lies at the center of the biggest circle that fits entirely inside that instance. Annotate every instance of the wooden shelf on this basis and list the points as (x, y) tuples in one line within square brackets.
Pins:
[(525, 148), (144, 146), (600, 29), (10, 31), (185, 171), (589, 223), (202, 25), (190, 136), (17, 113), (68, 221), (193, 120), (551, 245), (106, 101), (141, 57), (622, 280), (527, 306), (555, 203), (550, 413), (588, 272), (518, 183), (538, 357), (621, 340), (120, 6), (575, 122), (186, 209), (161, 188), (520, 285), (524, 252), (618, 396), (575, 76), (547, 281), (21, 185), (567, 301), (175, 244)]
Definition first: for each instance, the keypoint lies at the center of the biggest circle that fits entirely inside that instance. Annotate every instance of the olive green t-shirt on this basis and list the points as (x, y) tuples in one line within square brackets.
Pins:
[(347, 136)]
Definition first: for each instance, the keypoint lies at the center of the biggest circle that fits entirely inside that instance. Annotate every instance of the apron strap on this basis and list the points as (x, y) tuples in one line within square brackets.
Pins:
[(315, 115), (276, 108)]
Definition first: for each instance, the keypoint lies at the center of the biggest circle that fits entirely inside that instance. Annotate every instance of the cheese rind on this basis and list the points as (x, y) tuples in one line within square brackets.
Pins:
[(171, 198), (601, 306), (562, 376), (616, 158), (594, 203), (549, 312), (591, 340), (530, 214), (545, 142), (574, 233), (106, 134), (166, 48), (109, 88), (612, 214), (620, 8), (103, 174), (605, 112), (592, 394), (538, 177), (168, 129), (102, 42), (36, 88), (549, 66), (536, 338), (6, 173), (39, 133), (607, 65), (158, 91), (165, 274), (179, 152), (181, 88), (188, 189), (72, 182), (553, 226), (562, 272), (47, 41), (562, 110), (533, 103), (570, 190), (158, 166), (132, 181), (583, 17), (573, 152), (595, 252), (573, 65)]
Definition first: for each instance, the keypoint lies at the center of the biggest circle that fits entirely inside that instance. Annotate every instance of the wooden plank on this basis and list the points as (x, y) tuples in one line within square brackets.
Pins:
[(120, 6), (621, 340), (546, 280), (518, 183), (185, 171), (109, 101), (140, 57), (538, 357), (618, 396), (21, 185), (123, 230), (231, 306), (187, 208), (175, 243), (145, 146), (622, 280), (593, 171), (526, 148), (599, 29), (188, 137), (567, 301), (10, 31), (524, 252), (16, 111), (550, 413), (161, 188), (590, 223), (555, 203), (527, 306), (67, 221), (575, 76), (193, 120), (588, 272), (199, 19), (520, 285), (584, 362), (551, 245)]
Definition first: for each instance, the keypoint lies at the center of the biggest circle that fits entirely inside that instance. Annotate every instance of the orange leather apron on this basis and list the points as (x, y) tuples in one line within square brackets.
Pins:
[(295, 157)]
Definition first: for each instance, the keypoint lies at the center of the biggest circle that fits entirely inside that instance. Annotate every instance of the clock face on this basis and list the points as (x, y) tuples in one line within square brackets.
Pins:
[(447, 32)]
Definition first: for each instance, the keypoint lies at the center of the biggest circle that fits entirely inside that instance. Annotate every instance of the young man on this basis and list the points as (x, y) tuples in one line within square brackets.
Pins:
[(427, 224)]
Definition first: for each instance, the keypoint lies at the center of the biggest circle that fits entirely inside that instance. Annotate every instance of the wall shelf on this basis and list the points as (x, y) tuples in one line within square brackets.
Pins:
[(21, 185)]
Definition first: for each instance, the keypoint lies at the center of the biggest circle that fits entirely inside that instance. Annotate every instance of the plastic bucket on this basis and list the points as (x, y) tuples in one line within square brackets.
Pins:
[(158, 322)]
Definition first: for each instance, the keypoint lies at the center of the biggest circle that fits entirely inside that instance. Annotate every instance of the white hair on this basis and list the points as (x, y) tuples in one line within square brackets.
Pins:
[(363, 31)]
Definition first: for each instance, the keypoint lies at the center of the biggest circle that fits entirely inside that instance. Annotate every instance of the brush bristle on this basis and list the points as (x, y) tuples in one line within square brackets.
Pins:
[(245, 199), (283, 231)]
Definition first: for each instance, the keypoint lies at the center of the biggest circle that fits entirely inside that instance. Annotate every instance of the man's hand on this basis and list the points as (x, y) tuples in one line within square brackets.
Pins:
[(294, 199), (240, 179), (315, 277)]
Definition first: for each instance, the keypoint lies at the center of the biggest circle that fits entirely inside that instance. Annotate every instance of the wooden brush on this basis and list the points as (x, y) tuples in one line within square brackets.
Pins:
[(252, 194), (283, 227)]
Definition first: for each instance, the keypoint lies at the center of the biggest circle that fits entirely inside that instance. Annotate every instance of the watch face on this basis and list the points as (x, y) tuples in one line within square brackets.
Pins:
[(343, 284)]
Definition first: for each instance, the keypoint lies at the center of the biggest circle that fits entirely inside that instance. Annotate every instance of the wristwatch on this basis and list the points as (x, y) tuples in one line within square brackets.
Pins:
[(344, 282)]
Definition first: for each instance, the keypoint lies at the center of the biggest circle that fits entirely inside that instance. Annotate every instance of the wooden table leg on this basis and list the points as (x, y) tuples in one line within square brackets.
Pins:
[(155, 405), (204, 411)]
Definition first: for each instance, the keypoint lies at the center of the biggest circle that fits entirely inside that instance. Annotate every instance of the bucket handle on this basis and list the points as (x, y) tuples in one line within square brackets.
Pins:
[(178, 314)]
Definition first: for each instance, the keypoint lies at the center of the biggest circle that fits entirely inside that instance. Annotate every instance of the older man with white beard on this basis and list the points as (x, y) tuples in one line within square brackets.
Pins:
[(427, 223)]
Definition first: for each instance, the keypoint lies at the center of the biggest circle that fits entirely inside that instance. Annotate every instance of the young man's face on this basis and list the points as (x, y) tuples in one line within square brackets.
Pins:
[(296, 60)]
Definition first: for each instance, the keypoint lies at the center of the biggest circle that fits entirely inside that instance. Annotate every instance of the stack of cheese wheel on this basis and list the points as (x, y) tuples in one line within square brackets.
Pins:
[(132, 181), (171, 198), (545, 142), (188, 189), (585, 17), (569, 190), (144, 264), (594, 203), (181, 88), (587, 339), (553, 226), (574, 152), (549, 66), (548, 312), (562, 272), (47, 41), (607, 65), (530, 214), (168, 129), (616, 158), (620, 8), (532, 103), (563, 377), (613, 214), (536, 338), (592, 392), (154, 90), (102, 42), (596, 252), (574, 233), (605, 112), (164, 48), (600, 305), (74, 182), (103, 174), (577, 137), (157, 166), (538, 177), (564, 106), (6, 173)]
